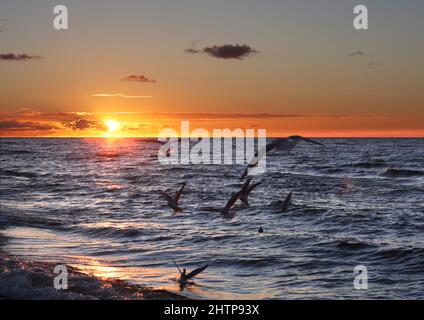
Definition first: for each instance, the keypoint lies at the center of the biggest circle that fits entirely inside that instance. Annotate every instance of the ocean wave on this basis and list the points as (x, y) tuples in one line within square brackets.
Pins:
[(255, 261), (31, 221), (109, 155), (3, 221), (368, 165), (403, 252), (352, 245), (334, 170), (33, 280), (106, 232), (11, 152), (402, 173), (14, 173), (103, 200)]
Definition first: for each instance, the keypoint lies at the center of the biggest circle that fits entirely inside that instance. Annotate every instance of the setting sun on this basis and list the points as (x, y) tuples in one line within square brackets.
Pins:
[(111, 125)]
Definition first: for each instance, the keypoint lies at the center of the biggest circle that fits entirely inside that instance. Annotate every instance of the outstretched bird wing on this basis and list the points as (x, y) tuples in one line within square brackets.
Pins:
[(244, 174), (313, 141), (178, 195), (287, 202), (253, 163), (177, 266), (196, 272), (272, 145), (286, 144), (167, 197), (245, 187), (231, 202), (253, 186)]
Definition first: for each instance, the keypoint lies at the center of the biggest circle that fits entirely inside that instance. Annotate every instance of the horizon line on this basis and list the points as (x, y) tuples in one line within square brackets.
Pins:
[(157, 137)]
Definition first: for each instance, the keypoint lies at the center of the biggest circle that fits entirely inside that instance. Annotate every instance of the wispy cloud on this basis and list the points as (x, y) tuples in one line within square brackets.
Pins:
[(26, 111), (120, 95), (213, 116), (192, 50), (357, 54), (375, 64), (18, 57), (138, 78), (226, 51)]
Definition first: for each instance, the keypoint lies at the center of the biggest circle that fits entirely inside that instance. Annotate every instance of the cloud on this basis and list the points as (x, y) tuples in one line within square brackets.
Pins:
[(213, 116), (18, 57), (26, 111), (138, 78), (226, 51), (120, 95), (16, 125), (375, 64), (357, 54), (83, 124), (192, 51)]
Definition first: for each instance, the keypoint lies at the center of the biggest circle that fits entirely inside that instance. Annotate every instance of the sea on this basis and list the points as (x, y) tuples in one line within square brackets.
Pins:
[(95, 204)]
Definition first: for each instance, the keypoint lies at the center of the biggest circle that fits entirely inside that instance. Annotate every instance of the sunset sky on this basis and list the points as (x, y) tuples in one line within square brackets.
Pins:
[(288, 66)]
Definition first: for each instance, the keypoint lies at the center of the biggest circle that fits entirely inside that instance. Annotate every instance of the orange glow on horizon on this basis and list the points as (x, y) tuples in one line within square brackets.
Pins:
[(133, 125)]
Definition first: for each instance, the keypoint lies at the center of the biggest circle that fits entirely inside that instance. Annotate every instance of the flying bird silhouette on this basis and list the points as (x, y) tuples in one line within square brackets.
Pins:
[(284, 144), (246, 190), (184, 278), (173, 201), (226, 211)]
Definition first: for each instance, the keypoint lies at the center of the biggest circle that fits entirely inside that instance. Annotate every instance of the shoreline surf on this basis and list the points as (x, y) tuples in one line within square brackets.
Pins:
[(28, 280)]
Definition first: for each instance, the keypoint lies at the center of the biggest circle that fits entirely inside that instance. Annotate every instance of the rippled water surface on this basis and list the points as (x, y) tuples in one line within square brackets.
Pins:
[(96, 204)]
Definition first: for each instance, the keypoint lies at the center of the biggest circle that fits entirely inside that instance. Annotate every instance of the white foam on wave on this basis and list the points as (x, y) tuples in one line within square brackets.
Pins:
[(35, 281)]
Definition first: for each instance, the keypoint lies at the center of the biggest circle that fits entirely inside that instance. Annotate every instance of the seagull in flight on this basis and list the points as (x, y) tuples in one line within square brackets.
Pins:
[(173, 201), (226, 211), (184, 278), (284, 144), (246, 190)]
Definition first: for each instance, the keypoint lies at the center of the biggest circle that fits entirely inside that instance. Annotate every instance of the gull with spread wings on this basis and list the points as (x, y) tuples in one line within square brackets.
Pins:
[(285, 144), (246, 190), (173, 201), (184, 278), (226, 211)]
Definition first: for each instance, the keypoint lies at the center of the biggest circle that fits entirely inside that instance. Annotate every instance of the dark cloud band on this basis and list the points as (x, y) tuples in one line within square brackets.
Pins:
[(138, 78), (18, 57), (226, 51), (16, 125), (84, 124)]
